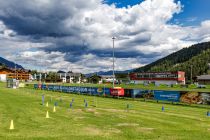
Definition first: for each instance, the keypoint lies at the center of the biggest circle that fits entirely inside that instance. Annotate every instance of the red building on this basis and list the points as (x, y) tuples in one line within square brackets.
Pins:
[(158, 78)]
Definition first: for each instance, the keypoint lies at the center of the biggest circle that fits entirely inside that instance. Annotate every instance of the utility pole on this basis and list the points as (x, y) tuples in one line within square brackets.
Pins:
[(113, 38)]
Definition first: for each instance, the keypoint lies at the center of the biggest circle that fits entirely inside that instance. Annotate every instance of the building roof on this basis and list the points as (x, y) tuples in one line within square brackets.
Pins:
[(12, 70), (5, 69), (203, 77), (106, 76), (163, 72), (61, 71), (70, 74)]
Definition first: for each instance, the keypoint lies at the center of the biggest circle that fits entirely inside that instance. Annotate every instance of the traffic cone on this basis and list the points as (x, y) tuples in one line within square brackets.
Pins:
[(47, 115), (11, 125), (47, 104), (163, 108), (54, 110)]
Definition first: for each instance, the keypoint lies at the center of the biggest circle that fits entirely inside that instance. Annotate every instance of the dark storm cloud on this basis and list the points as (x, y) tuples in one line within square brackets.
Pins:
[(75, 53), (40, 22), (123, 54), (27, 21), (139, 39)]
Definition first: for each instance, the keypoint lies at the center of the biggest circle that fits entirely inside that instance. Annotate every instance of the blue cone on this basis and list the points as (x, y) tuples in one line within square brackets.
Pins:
[(86, 105), (43, 99), (163, 108), (70, 105)]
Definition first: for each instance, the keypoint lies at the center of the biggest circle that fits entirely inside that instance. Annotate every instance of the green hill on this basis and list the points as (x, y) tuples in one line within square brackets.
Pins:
[(10, 64), (197, 56)]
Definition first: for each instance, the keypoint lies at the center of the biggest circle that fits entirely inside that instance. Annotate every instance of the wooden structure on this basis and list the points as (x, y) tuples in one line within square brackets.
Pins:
[(18, 74), (203, 79)]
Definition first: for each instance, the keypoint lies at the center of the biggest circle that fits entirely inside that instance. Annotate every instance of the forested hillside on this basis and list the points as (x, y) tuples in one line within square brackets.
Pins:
[(7, 63), (197, 56)]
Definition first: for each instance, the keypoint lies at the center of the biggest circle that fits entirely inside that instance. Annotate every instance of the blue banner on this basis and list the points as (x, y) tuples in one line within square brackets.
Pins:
[(141, 93), (107, 91), (50, 87), (70, 89), (36, 86), (44, 87), (64, 88), (56, 88), (173, 96), (93, 91)]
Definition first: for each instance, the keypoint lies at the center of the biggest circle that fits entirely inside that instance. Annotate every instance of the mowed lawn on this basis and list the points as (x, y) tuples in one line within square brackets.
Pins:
[(109, 120)]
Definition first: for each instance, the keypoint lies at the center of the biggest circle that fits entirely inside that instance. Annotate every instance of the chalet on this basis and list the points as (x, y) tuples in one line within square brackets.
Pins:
[(3, 73), (19, 74)]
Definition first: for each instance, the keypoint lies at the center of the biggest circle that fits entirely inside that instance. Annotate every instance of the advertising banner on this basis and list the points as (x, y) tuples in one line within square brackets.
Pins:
[(51, 87), (64, 89), (36, 86), (44, 87), (83, 89), (117, 91), (192, 97), (167, 95), (128, 92), (56, 88), (92, 91), (141, 93), (107, 91)]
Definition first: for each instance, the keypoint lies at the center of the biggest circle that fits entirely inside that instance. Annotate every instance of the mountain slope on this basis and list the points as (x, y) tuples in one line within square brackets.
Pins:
[(197, 56), (9, 64), (107, 72)]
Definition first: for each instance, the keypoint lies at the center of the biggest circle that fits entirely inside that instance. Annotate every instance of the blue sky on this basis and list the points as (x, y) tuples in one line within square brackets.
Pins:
[(124, 3), (77, 34)]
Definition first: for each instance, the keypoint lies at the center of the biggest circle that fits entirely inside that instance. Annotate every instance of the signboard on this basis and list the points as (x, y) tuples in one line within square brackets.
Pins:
[(36, 86), (56, 88), (44, 87), (50, 87), (192, 97), (141, 93), (106, 91), (173, 96), (117, 91), (64, 88)]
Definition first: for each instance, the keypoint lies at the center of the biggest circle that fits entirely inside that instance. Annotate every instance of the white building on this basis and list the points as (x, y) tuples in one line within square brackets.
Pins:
[(69, 77), (3, 77), (107, 79), (3, 74)]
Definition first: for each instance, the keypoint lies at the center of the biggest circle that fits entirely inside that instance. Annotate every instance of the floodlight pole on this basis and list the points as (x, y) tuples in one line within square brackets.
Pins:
[(113, 38)]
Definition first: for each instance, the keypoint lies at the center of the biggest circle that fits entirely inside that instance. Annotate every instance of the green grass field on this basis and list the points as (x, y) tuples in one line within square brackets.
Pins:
[(109, 120)]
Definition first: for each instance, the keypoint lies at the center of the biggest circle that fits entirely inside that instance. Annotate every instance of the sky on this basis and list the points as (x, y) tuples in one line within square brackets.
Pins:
[(76, 35)]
